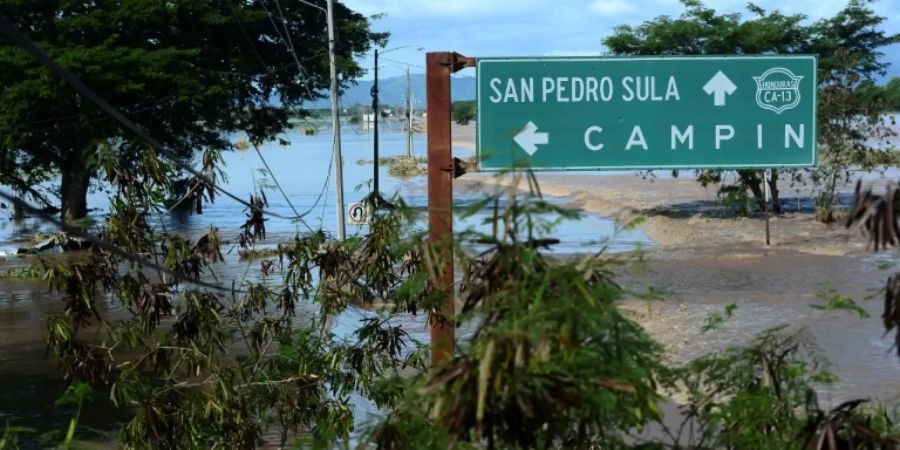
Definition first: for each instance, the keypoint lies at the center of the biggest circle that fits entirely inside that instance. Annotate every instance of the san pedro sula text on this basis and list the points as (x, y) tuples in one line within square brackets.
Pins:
[(640, 89), (581, 89)]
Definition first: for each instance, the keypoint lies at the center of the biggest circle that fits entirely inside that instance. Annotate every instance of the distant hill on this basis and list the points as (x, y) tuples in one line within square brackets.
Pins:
[(393, 92)]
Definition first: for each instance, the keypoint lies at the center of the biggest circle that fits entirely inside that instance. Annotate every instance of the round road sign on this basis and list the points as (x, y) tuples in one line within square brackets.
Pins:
[(358, 214)]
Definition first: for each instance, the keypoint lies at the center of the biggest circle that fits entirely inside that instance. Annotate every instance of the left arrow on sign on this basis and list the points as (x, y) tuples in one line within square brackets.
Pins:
[(528, 138)]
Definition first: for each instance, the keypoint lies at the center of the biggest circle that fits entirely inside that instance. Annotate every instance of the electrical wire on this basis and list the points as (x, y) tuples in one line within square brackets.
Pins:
[(16, 36), (324, 187), (70, 117), (66, 121), (400, 62), (13, 33), (280, 189), (288, 42), (286, 38)]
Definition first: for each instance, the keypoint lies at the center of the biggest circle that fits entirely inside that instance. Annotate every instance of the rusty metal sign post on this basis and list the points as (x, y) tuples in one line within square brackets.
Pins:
[(441, 172)]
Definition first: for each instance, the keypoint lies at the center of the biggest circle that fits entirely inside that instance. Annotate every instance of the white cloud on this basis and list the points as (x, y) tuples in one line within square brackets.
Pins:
[(611, 7), (532, 27)]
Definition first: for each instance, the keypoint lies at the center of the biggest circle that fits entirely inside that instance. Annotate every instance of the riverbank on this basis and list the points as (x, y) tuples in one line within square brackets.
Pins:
[(680, 215), (706, 259)]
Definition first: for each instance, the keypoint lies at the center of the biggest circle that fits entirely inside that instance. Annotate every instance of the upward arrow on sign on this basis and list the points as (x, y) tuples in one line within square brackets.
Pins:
[(718, 86)]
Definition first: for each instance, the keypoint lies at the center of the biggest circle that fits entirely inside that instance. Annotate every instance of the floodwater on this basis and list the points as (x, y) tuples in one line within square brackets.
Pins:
[(29, 384), (28, 380)]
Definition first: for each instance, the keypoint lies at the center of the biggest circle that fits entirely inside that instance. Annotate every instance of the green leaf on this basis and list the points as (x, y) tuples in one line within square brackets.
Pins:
[(837, 302)]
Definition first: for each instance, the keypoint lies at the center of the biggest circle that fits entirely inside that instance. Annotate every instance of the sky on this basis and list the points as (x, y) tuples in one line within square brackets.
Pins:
[(549, 28)]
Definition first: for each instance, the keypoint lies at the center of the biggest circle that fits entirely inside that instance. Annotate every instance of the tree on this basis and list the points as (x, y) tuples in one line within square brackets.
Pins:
[(701, 30), (892, 94), (188, 71), (889, 93), (464, 112), (848, 46)]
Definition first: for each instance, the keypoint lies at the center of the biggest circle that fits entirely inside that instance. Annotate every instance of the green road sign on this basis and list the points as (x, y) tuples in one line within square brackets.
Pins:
[(647, 113)]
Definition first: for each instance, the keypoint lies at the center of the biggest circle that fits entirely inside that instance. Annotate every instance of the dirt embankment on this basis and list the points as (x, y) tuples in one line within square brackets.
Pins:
[(682, 215)]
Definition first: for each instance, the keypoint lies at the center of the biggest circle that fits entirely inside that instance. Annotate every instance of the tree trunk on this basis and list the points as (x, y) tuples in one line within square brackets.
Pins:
[(750, 178), (19, 212), (75, 180), (825, 200), (773, 190), (756, 188)]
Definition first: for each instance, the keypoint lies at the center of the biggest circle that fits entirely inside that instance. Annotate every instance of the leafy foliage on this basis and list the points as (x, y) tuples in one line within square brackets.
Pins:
[(206, 68), (889, 94), (877, 216), (848, 45), (464, 112), (549, 361), (203, 368), (838, 302), (762, 396), (735, 198), (715, 320)]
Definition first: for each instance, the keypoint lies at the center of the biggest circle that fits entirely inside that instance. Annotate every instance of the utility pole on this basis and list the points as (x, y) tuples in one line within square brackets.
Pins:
[(375, 109), (375, 124), (336, 128), (409, 115)]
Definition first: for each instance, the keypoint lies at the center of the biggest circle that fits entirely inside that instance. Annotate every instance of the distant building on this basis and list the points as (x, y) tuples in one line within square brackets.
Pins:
[(368, 121)]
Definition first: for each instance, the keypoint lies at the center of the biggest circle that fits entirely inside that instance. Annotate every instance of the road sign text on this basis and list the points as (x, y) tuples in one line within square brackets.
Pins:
[(642, 113)]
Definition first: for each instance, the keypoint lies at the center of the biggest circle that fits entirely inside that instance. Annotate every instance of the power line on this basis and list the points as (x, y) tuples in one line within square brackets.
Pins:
[(62, 121), (402, 62), (71, 123), (70, 117), (13, 33), (280, 189), (76, 82), (286, 38), (324, 188), (290, 46)]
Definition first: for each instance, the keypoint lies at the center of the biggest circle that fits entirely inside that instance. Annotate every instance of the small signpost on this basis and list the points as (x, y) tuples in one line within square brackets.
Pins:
[(358, 214), (691, 112)]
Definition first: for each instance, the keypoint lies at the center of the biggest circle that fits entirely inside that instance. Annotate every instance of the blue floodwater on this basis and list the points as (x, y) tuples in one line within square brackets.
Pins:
[(28, 379), (302, 168)]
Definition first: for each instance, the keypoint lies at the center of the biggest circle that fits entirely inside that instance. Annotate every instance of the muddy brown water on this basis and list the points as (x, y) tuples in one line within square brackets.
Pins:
[(778, 288), (29, 383), (770, 289)]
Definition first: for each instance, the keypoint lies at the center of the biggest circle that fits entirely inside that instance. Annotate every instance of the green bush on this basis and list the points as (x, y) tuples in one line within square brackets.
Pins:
[(464, 112)]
